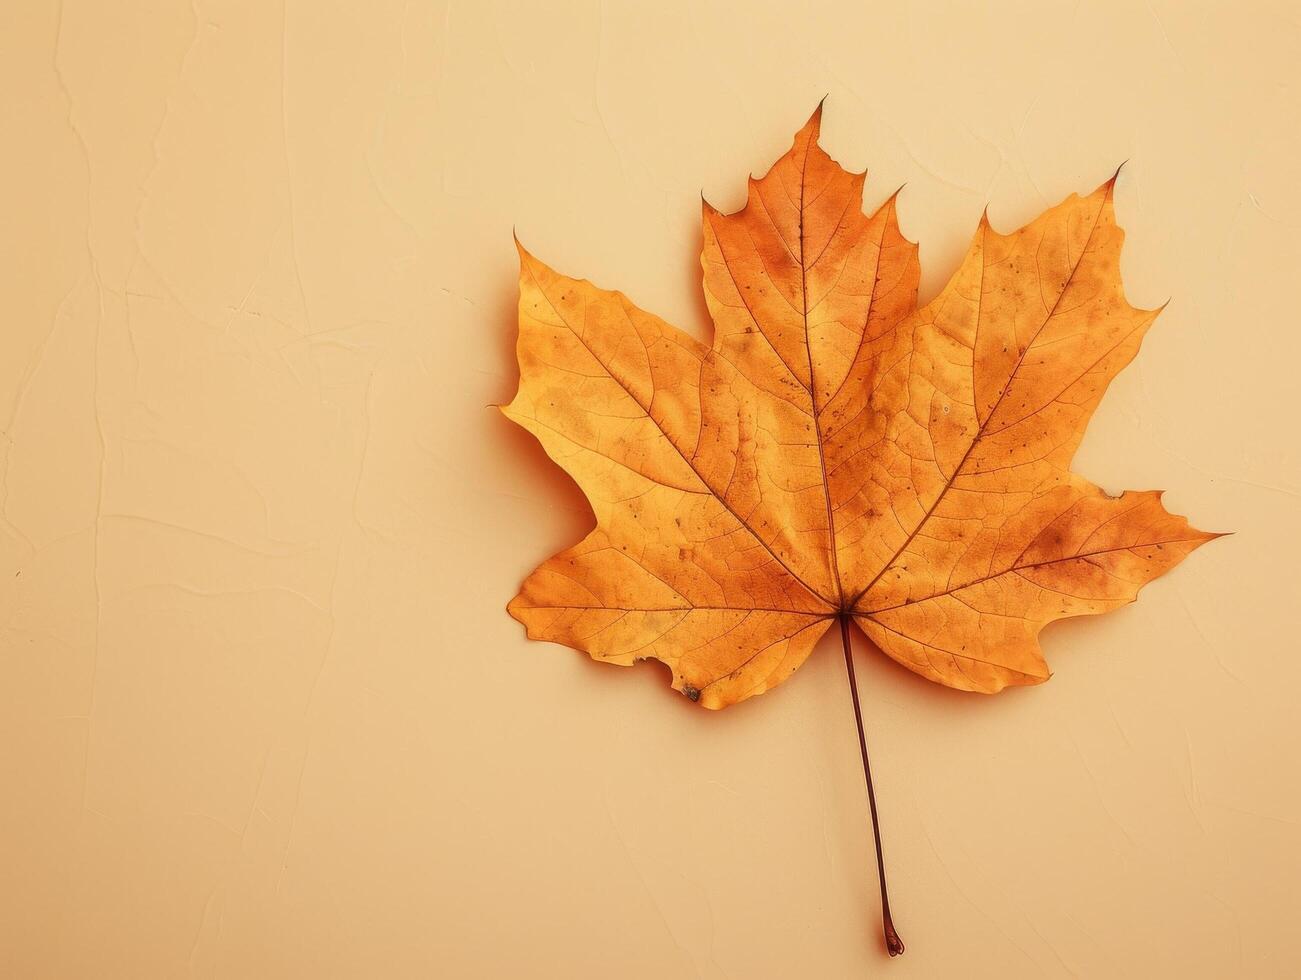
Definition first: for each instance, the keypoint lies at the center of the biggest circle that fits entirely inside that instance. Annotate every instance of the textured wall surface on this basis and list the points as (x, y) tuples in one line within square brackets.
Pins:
[(262, 712)]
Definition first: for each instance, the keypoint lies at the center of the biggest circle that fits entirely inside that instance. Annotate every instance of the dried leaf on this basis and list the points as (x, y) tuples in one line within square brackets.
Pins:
[(838, 451)]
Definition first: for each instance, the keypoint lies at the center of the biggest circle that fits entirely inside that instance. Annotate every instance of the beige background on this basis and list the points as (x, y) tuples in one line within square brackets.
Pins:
[(262, 713)]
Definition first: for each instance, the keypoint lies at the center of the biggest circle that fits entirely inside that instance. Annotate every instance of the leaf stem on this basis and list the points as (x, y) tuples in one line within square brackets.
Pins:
[(892, 941)]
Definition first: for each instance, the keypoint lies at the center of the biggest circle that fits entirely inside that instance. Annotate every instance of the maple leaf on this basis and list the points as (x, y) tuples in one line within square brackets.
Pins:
[(838, 452)]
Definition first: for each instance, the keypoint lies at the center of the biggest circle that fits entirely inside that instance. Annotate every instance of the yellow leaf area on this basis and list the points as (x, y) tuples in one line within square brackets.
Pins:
[(838, 451)]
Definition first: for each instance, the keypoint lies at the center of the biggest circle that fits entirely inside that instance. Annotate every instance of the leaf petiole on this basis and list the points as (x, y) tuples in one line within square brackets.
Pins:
[(892, 941)]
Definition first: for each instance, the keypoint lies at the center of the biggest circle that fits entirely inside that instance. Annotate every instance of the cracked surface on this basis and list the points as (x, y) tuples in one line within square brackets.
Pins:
[(264, 714), (838, 450)]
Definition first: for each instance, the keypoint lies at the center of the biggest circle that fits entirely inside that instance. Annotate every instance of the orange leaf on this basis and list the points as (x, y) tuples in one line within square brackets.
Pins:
[(838, 452)]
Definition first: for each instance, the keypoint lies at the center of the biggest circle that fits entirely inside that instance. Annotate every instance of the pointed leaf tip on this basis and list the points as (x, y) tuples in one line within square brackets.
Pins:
[(813, 127), (524, 254)]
